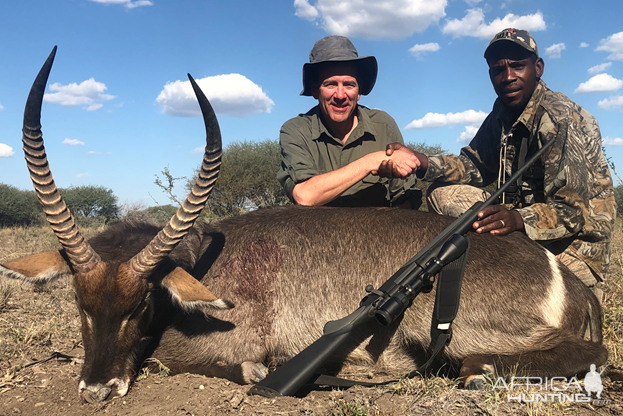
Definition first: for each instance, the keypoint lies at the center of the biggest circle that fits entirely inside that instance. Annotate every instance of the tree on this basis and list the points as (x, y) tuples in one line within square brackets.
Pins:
[(92, 202), (248, 178), (426, 148), (618, 196), (19, 207), (159, 214), (168, 184)]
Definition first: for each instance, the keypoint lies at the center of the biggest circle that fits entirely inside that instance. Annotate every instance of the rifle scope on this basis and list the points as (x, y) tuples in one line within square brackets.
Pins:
[(413, 284)]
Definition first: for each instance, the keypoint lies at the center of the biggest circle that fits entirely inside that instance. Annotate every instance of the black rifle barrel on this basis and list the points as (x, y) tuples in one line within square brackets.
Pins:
[(291, 376)]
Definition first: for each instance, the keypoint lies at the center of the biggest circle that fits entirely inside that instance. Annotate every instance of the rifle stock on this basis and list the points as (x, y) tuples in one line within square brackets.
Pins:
[(296, 372)]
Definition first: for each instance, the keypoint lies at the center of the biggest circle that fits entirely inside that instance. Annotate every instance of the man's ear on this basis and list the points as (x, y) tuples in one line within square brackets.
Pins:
[(540, 67)]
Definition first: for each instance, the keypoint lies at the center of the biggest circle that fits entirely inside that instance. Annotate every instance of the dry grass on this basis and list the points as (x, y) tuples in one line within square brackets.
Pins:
[(17, 242), (613, 300), (35, 321)]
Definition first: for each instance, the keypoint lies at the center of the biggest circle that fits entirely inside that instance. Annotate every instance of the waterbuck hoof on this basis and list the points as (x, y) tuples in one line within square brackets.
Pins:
[(253, 372)]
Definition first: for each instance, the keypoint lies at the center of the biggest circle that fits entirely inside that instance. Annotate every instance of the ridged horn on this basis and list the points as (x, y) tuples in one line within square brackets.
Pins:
[(82, 257), (144, 263)]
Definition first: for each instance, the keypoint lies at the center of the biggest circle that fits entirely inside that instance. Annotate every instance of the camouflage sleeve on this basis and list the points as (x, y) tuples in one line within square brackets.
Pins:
[(576, 183), (452, 169)]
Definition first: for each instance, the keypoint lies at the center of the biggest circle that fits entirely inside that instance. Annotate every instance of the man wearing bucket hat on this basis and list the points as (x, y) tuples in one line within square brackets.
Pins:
[(565, 201), (331, 155)]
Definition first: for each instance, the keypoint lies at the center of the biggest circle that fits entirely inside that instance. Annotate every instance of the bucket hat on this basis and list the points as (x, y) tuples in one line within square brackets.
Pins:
[(518, 36), (339, 49)]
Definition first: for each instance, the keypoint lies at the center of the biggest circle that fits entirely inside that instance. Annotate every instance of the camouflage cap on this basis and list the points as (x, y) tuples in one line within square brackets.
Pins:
[(520, 37)]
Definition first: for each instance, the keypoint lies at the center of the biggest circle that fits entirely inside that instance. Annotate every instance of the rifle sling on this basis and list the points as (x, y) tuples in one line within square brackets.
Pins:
[(446, 307)]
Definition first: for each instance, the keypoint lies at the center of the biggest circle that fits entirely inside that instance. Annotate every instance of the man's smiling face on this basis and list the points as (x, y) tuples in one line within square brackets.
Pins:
[(338, 92)]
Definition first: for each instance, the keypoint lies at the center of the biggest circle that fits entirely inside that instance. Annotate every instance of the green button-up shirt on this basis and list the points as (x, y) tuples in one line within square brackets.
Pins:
[(308, 149)]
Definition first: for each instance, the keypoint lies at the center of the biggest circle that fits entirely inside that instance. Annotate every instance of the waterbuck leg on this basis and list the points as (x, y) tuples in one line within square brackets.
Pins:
[(568, 358)]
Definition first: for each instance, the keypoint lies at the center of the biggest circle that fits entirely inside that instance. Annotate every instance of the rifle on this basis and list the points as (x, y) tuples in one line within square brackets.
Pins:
[(448, 249)]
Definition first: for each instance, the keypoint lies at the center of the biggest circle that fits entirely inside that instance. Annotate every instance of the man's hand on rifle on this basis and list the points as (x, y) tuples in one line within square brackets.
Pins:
[(498, 220)]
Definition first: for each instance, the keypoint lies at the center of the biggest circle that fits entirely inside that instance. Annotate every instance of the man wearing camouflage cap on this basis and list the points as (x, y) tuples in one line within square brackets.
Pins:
[(331, 154), (565, 201)]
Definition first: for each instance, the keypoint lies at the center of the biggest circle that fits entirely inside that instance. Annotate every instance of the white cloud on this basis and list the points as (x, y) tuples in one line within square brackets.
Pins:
[(612, 103), (73, 142), (584, 45), (614, 45), (472, 3), (432, 120), (200, 149), (89, 93), (83, 175), (617, 141), (234, 95), (1, 108), (599, 68), (473, 24), (130, 4), (599, 83), (419, 50), (304, 10), (94, 107), (6, 150), (555, 50), (372, 19), (468, 134), (93, 152)]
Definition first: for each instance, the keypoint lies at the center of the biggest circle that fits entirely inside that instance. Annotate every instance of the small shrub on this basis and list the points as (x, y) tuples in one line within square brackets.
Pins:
[(348, 408)]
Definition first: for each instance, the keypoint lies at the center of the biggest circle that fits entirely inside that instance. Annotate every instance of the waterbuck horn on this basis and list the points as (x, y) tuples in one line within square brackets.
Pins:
[(80, 253), (167, 239)]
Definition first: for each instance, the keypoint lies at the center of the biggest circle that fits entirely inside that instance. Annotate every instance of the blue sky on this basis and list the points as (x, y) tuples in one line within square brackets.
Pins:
[(117, 109)]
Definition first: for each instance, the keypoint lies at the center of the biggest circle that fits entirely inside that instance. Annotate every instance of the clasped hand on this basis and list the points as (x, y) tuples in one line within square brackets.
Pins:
[(401, 162)]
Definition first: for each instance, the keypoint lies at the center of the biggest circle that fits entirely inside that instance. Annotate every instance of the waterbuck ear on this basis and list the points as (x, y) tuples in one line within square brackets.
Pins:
[(190, 294), (38, 268)]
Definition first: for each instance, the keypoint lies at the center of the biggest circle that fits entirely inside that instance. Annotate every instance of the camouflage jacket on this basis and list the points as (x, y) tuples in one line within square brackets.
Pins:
[(567, 198)]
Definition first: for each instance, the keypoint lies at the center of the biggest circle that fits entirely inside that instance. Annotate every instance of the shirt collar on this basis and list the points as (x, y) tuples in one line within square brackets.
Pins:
[(527, 116), (364, 125)]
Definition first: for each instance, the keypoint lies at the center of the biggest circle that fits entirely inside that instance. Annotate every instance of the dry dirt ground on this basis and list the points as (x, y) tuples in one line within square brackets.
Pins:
[(41, 353)]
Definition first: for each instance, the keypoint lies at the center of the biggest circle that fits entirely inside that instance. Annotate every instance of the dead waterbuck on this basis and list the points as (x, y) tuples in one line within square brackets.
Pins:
[(142, 291)]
